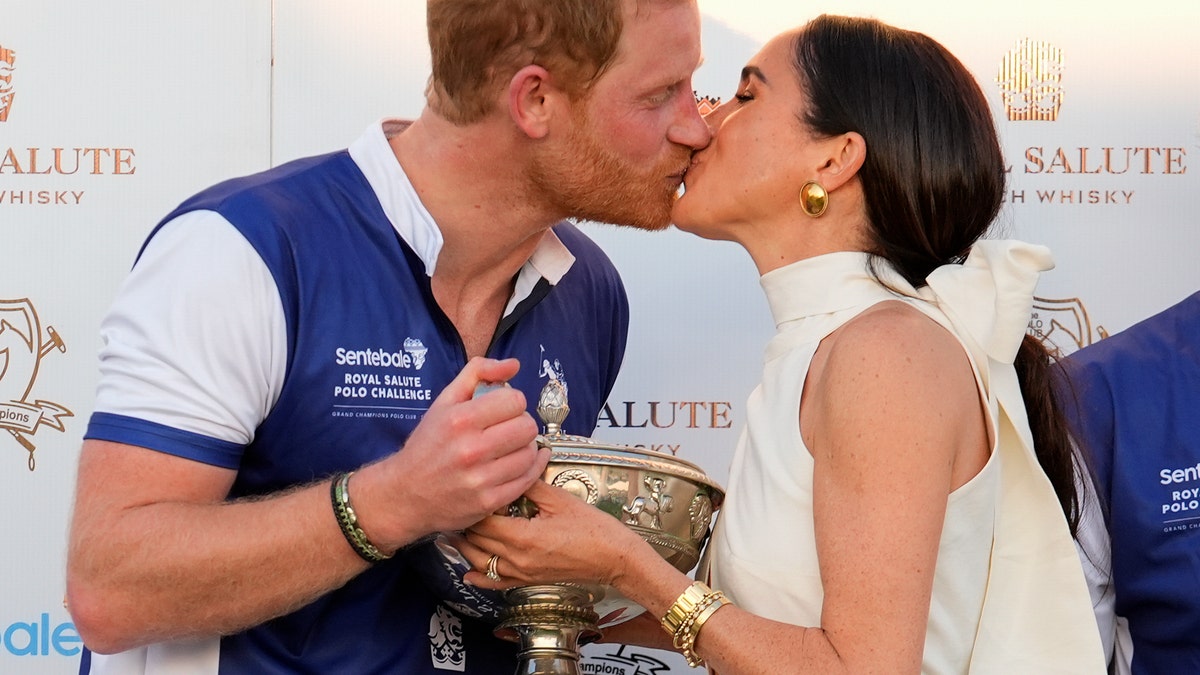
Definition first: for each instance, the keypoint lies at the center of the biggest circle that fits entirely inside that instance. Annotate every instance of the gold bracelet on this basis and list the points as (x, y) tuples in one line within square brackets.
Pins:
[(339, 492), (679, 637), (687, 643), (683, 606), (687, 615)]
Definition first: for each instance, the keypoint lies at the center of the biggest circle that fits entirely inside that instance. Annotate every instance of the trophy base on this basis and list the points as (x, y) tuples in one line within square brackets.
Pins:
[(549, 621)]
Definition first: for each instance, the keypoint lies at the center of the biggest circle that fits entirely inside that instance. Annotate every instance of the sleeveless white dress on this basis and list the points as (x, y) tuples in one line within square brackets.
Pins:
[(1009, 595)]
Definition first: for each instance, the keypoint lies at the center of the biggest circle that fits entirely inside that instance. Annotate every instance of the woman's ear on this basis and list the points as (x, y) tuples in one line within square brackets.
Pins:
[(847, 153), (531, 98)]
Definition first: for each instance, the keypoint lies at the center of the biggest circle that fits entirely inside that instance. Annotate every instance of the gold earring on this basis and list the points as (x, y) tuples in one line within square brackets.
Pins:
[(813, 199)]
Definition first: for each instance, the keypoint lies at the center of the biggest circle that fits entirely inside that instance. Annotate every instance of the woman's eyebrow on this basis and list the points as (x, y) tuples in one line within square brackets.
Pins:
[(754, 71)]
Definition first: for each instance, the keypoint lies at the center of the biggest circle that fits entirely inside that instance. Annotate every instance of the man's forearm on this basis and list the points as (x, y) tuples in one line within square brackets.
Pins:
[(145, 573)]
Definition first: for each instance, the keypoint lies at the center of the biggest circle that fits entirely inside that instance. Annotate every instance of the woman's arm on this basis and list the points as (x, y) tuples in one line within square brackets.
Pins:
[(570, 540), (895, 426), (890, 405)]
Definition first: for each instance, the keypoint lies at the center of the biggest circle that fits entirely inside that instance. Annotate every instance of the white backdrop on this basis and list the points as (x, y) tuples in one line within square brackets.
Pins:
[(148, 102)]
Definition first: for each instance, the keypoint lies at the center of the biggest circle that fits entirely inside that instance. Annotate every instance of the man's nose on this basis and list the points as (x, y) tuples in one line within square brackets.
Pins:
[(691, 129)]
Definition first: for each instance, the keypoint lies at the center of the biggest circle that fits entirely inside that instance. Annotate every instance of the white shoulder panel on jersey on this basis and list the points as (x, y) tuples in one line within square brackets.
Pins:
[(196, 339)]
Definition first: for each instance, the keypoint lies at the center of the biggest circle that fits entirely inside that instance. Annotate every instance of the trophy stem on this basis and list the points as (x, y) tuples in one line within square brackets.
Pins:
[(548, 621)]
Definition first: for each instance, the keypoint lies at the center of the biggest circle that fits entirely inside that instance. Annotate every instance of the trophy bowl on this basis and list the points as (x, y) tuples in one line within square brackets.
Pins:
[(666, 500)]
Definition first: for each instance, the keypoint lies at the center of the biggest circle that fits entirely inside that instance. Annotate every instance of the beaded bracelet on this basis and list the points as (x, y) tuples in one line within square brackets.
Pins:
[(339, 493), (687, 643), (684, 619)]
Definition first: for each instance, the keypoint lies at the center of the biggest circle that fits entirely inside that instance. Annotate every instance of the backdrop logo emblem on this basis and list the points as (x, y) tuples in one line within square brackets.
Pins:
[(22, 347), (1063, 326), (624, 661), (1030, 81), (706, 104), (8, 61)]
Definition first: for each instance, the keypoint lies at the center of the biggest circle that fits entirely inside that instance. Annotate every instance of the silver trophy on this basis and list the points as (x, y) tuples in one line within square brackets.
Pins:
[(666, 500)]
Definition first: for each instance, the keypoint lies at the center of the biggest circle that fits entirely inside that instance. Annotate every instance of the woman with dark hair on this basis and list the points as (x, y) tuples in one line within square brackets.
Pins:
[(886, 508)]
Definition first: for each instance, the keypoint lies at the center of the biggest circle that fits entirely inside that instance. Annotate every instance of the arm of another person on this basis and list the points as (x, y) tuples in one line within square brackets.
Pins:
[(1094, 546), (157, 553), (891, 407)]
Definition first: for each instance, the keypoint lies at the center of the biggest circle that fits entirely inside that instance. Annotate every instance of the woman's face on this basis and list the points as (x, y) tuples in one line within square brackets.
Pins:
[(749, 176)]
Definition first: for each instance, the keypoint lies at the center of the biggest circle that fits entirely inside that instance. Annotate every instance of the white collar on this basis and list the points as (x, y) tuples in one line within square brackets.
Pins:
[(371, 152)]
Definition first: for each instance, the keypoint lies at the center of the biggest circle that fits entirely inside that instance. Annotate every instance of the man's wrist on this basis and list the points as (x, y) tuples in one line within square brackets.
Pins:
[(343, 510)]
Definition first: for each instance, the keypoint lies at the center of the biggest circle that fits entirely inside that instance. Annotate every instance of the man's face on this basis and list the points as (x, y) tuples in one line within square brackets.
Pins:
[(632, 136)]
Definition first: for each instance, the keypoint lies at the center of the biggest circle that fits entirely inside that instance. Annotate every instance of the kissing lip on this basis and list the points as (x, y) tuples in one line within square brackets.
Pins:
[(679, 176), (692, 164)]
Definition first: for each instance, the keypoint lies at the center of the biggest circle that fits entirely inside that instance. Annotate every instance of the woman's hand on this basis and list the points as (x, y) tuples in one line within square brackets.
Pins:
[(568, 540)]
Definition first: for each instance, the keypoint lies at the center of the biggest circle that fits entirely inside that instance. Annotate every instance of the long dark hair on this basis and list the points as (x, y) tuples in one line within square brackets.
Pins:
[(933, 178)]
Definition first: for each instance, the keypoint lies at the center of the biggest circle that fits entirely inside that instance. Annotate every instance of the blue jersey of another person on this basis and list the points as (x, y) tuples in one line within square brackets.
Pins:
[(1134, 405)]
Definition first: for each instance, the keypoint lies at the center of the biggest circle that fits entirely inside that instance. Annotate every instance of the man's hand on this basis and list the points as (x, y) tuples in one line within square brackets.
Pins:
[(467, 458)]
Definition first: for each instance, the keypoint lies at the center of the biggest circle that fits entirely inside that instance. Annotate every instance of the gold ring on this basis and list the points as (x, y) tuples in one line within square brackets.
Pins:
[(491, 568)]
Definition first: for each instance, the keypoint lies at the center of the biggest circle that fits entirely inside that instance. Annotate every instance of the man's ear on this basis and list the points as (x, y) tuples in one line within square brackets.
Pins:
[(847, 152), (531, 100)]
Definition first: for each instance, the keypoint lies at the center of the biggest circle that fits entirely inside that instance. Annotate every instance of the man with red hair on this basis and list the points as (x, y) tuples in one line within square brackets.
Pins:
[(287, 389)]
